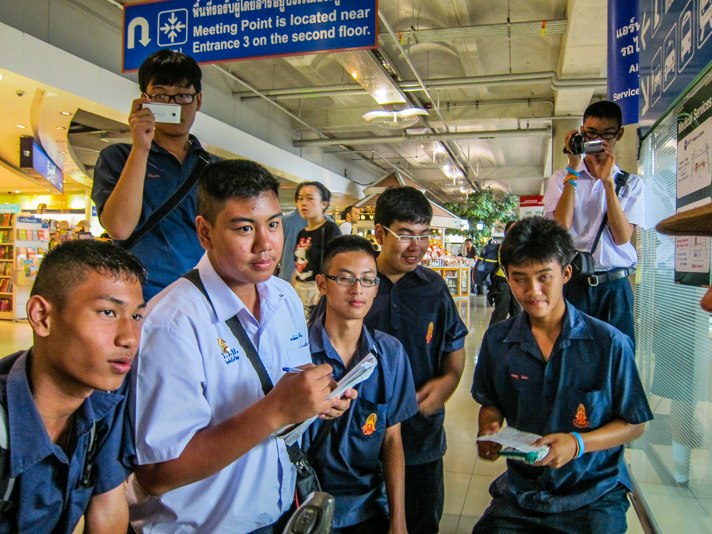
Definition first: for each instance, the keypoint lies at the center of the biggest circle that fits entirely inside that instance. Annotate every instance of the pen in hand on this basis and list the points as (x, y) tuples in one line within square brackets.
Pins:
[(292, 370)]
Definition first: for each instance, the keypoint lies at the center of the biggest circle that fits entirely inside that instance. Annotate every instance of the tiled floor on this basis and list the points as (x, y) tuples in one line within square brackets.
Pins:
[(467, 477)]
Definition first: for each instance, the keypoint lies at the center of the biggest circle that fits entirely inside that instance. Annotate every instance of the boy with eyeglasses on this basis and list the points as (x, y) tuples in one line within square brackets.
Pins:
[(360, 460), (415, 306), (132, 181), (579, 197)]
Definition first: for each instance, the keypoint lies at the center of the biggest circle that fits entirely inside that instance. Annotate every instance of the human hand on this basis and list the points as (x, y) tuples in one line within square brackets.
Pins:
[(343, 405), (562, 449), (429, 398), (606, 161), (142, 123), (299, 396), (574, 159), (489, 450)]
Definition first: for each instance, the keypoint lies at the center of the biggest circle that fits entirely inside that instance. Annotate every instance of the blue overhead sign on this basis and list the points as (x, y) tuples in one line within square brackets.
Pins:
[(213, 31), (675, 47), (623, 36)]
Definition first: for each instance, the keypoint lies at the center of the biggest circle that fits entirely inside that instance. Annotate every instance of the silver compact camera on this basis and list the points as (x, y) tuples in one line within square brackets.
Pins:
[(579, 145)]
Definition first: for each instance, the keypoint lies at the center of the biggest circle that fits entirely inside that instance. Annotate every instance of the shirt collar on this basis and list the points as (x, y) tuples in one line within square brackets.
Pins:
[(418, 274), (193, 145), (574, 327), (319, 342), (25, 421), (226, 304)]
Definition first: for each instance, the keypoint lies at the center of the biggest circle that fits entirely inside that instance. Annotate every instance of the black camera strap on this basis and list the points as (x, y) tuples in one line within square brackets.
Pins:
[(172, 201), (621, 180)]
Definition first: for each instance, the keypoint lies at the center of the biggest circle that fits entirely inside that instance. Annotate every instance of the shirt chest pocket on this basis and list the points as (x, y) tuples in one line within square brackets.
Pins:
[(298, 356), (367, 428), (585, 410)]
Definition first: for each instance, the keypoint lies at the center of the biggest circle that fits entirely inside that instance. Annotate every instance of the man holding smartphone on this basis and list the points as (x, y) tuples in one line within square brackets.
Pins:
[(134, 181)]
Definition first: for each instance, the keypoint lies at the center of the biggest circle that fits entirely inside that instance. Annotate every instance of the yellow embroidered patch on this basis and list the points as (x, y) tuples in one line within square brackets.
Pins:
[(370, 426)]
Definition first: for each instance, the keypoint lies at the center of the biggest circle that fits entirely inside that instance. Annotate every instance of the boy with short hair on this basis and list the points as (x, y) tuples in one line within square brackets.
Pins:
[(415, 306), (364, 449), (559, 373), (64, 397)]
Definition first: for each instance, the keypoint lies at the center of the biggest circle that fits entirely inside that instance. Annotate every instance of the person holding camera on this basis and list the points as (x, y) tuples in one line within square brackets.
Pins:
[(145, 192), (600, 206)]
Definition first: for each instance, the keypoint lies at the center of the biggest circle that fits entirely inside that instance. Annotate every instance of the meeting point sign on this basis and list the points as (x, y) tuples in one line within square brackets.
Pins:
[(213, 31)]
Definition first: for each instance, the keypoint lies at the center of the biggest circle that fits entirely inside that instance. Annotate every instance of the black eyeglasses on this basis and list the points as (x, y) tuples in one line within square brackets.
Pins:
[(366, 281), (593, 134), (183, 99)]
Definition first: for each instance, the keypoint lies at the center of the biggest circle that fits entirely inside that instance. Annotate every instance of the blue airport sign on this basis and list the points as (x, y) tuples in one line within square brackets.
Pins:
[(213, 31), (675, 47), (623, 36)]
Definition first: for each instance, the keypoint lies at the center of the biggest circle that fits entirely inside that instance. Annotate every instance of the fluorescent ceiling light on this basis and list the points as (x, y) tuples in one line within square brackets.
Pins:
[(394, 115)]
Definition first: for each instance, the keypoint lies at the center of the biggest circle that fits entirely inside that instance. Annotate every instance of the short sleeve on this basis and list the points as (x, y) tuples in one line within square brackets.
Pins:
[(635, 202), (403, 403), (483, 387), (169, 381), (455, 329), (107, 172), (629, 400), (554, 189), (114, 447)]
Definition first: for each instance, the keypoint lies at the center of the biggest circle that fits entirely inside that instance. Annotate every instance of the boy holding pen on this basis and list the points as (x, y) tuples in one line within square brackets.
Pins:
[(559, 373), (360, 460)]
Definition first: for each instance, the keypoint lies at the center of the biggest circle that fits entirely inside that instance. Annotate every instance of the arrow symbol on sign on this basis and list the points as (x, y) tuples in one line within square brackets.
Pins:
[(644, 91), (143, 24), (646, 26)]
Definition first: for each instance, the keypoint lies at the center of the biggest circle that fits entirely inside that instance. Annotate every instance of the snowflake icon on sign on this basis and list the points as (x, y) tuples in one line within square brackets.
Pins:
[(172, 27)]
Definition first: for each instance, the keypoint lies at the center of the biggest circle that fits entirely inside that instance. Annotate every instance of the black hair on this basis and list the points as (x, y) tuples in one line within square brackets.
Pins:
[(66, 266), (604, 109), (232, 178), (536, 239), (346, 243), (324, 193), (167, 67), (468, 239), (405, 204), (508, 226), (346, 211)]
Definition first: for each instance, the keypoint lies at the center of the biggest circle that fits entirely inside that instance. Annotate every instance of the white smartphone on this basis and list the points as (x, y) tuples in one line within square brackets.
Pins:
[(167, 113)]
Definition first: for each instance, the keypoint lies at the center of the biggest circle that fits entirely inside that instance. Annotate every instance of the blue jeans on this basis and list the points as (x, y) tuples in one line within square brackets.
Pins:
[(611, 302), (607, 515)]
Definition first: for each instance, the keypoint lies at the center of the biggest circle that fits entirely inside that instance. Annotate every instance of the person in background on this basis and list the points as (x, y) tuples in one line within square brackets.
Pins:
[(415, 306), (292, 224), (62, 402), (312, 199), (206, 457), (499, 293), (132, 181), (350, 215), (360, 461), (572, 379), (468, 250), (579, 198)]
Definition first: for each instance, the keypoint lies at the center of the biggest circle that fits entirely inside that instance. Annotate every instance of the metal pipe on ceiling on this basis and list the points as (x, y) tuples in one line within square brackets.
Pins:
[(523, 78), (444, 136), (482, 31)]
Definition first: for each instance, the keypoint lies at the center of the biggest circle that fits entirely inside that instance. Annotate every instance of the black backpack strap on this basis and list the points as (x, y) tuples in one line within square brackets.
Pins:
[(168, 206), (621, 180)]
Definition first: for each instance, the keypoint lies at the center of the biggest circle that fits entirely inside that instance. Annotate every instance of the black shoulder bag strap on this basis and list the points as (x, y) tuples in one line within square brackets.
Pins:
[(170, 204), (295, 453), (621, 180)]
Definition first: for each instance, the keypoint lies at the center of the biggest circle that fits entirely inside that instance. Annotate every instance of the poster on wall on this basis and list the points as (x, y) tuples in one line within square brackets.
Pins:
[(694, 184), (675, 47), (531, 205)]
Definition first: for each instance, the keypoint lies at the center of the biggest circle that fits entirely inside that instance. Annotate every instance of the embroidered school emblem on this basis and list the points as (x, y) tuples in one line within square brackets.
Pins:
[(370, 426), (228, 354), (581, 421), (429, 337)]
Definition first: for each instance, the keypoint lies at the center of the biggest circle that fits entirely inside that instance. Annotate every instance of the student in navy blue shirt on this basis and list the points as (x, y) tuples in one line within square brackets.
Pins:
[(414, 305), (131, 181), (64, 397), (559, 373), (360, 462)]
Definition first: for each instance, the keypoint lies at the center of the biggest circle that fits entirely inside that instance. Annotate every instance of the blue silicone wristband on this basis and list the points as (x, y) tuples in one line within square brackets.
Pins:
[(571, 171), (579, 439)]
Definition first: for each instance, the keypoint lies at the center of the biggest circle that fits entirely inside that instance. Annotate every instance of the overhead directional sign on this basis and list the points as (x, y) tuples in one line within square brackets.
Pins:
[(675, 47), (213, 31), (623, 35)]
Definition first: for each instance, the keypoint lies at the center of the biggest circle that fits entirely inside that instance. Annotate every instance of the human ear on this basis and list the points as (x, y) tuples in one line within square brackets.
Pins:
[(38, 314), (204, 230), (379, 233), (321, 283), (566, 273), (620, 134)]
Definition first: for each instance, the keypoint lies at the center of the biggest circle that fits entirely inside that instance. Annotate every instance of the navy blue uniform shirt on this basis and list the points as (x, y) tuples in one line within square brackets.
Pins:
[(172, 248), (48, 484), (419, 311), (348, 463), (589, 380)]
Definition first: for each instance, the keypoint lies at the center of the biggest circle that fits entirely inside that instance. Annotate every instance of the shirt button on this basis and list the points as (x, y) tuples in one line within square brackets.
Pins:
[(395, 305)]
